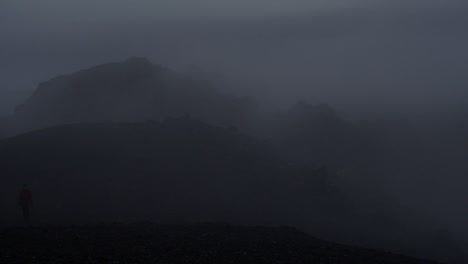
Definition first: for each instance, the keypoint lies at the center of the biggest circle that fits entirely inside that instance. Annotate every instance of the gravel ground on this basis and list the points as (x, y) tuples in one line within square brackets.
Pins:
[(203, 243)]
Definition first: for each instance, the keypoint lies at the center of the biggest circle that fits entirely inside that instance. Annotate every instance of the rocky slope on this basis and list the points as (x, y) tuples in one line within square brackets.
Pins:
[(208, 243)]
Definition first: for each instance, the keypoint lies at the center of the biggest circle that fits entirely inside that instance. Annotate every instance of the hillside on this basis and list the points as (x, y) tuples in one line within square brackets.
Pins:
[(176, 169)]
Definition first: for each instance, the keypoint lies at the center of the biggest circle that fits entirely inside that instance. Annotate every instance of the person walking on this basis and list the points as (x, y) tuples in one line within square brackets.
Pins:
[(25, 201)]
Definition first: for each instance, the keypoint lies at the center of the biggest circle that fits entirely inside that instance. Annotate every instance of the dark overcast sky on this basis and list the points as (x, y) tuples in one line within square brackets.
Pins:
[(392, 53)]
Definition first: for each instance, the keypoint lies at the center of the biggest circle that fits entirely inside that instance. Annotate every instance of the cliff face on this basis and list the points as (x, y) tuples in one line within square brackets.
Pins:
[(132, 90)]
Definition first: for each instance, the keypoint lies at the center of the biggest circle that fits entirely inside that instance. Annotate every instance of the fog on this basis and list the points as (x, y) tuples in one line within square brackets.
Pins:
[(394, 72), (396, 56)]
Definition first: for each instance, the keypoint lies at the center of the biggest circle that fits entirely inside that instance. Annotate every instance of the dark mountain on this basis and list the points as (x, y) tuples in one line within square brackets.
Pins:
[(103, 159), (176, 169), (184, 170), (203, 243), (132, 90)]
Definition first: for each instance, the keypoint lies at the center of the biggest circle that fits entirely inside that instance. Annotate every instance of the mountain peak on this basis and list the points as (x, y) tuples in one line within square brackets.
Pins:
[(134, 89)]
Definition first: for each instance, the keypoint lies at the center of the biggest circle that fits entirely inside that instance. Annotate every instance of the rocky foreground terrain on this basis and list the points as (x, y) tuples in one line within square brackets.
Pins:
[(203, 243)]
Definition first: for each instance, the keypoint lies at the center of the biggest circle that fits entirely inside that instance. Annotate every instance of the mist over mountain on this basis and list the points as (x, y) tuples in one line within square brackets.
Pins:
[(346, 119), (133, 140), (132, 90), (366, 57)]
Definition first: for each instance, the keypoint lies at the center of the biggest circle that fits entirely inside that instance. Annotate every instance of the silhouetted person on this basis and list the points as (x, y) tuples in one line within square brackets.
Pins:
[(25, 201)]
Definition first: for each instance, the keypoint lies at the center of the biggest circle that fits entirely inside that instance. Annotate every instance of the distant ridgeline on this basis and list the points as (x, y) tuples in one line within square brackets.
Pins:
[(132, 90), (137, 90)]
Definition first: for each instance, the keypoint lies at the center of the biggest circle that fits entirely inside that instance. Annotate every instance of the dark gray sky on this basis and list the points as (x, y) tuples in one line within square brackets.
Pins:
[(356, 53)]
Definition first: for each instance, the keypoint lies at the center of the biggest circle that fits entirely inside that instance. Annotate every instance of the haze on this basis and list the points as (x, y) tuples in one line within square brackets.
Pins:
[(394, 71), (383, 55)]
